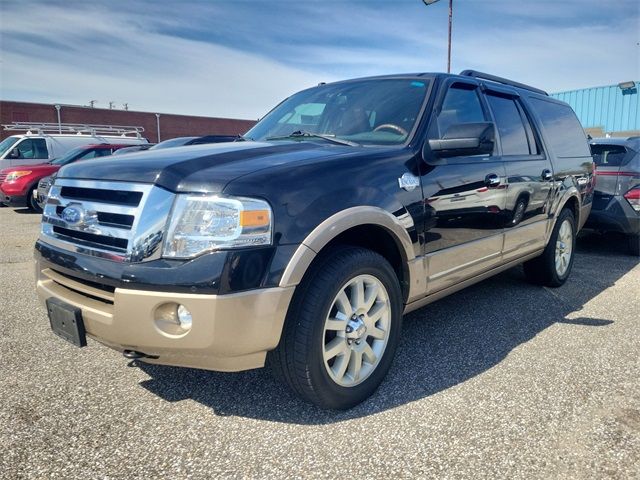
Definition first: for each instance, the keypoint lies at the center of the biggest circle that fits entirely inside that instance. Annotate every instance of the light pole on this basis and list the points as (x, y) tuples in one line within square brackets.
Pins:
[(58, 107), (429, 2), (158, 125)]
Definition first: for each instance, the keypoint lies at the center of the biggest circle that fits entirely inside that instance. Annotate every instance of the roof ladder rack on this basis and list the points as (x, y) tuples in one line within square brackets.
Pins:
[(74, 128), (505, 81)]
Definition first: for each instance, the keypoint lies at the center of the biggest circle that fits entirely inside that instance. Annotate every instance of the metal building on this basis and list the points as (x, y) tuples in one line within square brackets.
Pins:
[(613, 110)]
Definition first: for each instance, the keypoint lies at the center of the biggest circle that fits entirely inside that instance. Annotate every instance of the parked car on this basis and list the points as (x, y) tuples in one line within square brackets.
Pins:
[(184, 141), (303, 246), (19, 185), (616, 204), (42, 142)]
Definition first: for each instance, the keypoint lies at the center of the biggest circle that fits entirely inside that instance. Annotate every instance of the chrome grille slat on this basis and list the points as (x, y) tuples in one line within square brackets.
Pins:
[(116, 231)]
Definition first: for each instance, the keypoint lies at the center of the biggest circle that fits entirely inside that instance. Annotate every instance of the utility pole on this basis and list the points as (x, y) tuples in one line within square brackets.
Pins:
[(125, 106), (92, 103), (431, 2), (112, 105)]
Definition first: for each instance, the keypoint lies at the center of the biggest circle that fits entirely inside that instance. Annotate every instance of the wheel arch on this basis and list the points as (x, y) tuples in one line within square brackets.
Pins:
[(367, 227)]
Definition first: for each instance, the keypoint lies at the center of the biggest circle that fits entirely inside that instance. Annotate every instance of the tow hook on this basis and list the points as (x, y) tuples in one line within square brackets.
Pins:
[(135, 355)]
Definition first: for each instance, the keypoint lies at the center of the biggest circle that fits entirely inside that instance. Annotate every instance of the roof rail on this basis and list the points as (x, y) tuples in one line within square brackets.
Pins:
[(74, 128), (505, 81)]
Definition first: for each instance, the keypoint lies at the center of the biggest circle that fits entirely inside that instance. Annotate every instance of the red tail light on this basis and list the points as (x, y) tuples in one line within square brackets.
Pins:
[(633, 197)]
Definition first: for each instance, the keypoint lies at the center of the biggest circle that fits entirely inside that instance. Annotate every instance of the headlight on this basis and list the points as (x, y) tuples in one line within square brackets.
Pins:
[(16, 175), (200, 224)]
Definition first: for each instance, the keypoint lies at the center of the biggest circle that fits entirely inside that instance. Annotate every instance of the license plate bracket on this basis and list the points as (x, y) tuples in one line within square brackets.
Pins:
[(66, 322)]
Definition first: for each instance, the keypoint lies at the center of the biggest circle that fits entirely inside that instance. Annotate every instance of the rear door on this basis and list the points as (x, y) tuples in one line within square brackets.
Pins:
[(529, 174)]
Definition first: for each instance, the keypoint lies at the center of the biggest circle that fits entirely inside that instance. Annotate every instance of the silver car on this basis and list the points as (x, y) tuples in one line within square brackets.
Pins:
[(616, 203)]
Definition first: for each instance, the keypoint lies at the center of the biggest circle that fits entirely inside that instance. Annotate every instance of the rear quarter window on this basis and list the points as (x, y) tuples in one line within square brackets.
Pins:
[(562, 129), (608, 155)]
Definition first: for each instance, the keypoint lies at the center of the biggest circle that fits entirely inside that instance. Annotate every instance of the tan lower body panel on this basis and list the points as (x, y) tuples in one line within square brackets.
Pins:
[(229, 332)]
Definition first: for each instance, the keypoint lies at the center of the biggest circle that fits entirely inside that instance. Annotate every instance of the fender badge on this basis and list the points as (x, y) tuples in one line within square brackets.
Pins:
[(408, 182)]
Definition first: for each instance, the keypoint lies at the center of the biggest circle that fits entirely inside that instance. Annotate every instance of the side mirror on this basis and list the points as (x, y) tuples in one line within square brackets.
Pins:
[(464, 139), (15, 153)]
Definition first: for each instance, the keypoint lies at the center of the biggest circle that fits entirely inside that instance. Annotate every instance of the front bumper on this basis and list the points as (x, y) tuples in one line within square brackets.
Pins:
[(13, 200), (230, 332)]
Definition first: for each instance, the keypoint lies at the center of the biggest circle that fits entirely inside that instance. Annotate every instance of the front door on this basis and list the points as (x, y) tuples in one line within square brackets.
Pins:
[(464, 196)]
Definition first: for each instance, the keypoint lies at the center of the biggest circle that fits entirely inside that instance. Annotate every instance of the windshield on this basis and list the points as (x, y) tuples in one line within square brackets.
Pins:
[(174, 142), (7, 143), (70, 156), (368, 112)]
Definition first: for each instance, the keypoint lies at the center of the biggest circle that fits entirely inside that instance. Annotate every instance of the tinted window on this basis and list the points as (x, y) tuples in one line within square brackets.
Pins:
[(608, 155), (32, 148), (99, 152), (513, 135), (460, 105), (562, 128), (370, 112)]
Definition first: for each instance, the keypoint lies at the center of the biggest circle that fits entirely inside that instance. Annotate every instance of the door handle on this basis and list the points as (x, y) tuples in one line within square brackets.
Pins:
[(492, 180), (547, 175)]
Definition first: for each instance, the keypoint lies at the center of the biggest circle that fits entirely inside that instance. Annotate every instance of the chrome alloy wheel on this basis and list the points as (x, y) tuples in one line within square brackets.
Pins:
[(564, 247), (356, 330)]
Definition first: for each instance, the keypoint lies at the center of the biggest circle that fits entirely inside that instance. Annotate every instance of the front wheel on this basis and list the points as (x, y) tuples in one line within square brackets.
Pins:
[(342, 330), (553, 267), (32, 202)]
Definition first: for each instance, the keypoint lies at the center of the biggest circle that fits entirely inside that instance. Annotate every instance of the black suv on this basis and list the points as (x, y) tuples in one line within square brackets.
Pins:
[(302, 246)]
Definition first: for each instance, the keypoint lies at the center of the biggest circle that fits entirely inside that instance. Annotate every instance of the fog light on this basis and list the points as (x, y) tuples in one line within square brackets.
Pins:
[(173, 319), (184, 317)]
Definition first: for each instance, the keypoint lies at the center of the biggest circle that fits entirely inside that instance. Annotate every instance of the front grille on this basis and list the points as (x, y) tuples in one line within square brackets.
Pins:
[(103, 218), (3, 177)]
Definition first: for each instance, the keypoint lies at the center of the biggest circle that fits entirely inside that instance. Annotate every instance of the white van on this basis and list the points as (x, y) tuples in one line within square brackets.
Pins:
[(43, 142)]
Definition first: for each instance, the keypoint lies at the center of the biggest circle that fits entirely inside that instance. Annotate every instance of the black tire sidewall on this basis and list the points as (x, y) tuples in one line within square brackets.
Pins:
[(337, 396), (565, 215)]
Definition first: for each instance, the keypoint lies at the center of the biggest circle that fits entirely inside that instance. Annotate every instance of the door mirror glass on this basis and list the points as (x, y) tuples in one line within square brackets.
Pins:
[(463, 139)]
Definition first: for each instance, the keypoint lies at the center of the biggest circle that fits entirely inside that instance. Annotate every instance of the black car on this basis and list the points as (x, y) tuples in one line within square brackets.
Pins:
[(346, 206), (616, 203)]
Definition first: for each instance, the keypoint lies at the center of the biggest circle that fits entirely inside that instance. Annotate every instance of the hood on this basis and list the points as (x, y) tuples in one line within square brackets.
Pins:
[(43, 168), (202, 168)]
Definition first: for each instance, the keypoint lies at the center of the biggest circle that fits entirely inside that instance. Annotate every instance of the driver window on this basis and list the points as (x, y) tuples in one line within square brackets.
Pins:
[(32, 149), (461, 105)]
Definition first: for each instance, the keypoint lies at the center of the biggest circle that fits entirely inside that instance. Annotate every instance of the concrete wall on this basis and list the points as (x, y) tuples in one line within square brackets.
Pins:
[(170, 125)]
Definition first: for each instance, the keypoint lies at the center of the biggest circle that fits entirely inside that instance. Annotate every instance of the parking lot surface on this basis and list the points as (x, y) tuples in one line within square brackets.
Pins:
[(501, 380)]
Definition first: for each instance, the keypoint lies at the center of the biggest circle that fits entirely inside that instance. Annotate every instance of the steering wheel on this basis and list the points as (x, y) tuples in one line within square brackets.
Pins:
[(393, 127)]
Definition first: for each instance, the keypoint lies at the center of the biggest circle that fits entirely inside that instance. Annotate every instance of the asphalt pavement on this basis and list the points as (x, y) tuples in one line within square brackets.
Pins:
[(501, 380)]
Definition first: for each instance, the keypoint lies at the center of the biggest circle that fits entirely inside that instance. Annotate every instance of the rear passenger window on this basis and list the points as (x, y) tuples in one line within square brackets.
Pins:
[(562, 128), (513, 135), (608, 155), (461, 105)]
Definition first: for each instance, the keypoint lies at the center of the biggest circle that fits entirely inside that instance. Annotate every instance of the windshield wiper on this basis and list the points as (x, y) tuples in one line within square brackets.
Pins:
[(303, 133)]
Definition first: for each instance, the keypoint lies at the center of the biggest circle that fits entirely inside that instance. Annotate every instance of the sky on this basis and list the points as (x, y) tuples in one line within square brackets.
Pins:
[(239, 58)]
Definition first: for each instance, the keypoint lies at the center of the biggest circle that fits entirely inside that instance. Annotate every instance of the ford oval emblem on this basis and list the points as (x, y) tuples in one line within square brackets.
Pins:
[(73, 214)]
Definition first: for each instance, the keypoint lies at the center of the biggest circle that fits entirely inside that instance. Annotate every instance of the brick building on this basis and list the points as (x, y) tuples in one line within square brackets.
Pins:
[(170, 125)]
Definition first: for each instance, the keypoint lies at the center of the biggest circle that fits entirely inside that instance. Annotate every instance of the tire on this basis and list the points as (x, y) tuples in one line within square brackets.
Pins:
[(634, 245), (32, 203), (544, 270), (519, 211), (306, 360)]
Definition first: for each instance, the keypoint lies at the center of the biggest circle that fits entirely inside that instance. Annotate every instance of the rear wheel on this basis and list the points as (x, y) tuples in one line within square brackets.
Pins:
[(342, 329), (553, 267), (634, 245)]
